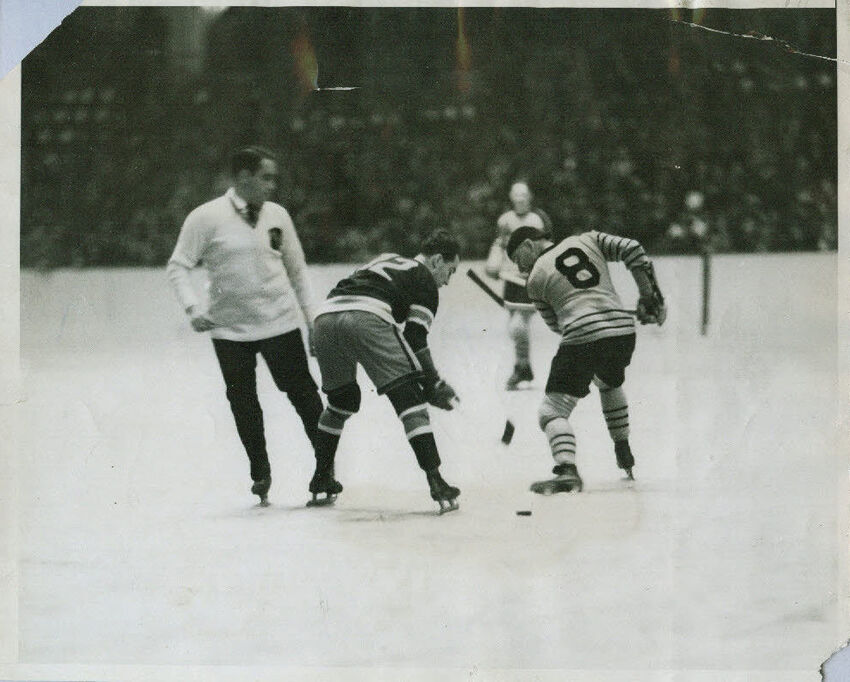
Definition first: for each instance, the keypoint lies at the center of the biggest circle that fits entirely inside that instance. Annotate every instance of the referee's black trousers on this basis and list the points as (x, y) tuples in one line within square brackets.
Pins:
[(287, 363)]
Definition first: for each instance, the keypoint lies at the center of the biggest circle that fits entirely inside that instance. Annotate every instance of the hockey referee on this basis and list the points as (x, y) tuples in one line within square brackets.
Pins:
[(258, 283)]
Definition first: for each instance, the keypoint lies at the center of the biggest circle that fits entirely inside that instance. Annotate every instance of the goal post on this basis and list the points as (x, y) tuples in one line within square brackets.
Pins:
[(706, 289)]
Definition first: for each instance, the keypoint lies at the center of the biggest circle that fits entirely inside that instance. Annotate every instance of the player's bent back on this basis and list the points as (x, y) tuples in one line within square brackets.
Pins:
[(571, 286)]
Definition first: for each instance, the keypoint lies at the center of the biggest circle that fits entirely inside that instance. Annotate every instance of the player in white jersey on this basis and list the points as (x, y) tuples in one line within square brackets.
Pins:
[(570, 285), (520, 309)]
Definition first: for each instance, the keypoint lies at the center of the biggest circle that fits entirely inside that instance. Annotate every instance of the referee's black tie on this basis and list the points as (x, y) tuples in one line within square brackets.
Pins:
[(252, 212)]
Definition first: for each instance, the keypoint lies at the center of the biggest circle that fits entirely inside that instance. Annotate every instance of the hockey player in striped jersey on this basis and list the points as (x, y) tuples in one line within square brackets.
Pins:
[(570, 285), (520, 310), (379, 317)]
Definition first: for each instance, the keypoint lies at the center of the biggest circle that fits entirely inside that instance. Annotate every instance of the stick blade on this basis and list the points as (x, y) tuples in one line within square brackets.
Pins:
[(508, 433)]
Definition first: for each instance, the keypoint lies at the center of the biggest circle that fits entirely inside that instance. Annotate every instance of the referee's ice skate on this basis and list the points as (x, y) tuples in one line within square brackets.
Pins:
[(261, 489), (441, 492), (566, 480)]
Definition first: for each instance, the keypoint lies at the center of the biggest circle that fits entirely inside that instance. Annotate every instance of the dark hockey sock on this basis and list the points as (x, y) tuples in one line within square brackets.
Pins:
[(327, 435), (425, 448), (326, 445)]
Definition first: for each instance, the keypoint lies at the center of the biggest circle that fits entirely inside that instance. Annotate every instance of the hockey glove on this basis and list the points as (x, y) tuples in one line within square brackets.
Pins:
[(651, 310), (495, 257), (440, 394), (650, 307)]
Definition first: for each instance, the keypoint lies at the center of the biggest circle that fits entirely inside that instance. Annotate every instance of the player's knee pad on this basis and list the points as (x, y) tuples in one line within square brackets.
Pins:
[(555, 406), (342, 403), (411, 408), (345, 400), (405, 395)]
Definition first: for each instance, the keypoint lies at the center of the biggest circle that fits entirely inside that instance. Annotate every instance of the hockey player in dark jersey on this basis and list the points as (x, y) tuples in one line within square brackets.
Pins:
[(360, 323)]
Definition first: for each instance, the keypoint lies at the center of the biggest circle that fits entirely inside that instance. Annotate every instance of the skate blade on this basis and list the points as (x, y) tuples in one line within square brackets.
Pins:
[(552, 487), (629, 475), (326, 501), (447, 506), (263, 502)]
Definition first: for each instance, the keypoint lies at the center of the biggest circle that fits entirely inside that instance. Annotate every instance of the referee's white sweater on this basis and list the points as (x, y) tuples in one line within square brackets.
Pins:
[(257, 275)]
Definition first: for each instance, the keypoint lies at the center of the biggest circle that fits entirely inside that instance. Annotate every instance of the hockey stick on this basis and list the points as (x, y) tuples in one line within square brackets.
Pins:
[(508, 433), (485, 287), (498, 299)]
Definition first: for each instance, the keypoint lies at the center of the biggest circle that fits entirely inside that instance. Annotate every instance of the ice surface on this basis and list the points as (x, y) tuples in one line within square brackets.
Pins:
[(139, 541)]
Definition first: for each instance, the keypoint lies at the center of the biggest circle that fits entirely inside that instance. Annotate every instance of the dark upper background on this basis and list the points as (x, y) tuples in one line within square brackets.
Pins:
[(619, 119)]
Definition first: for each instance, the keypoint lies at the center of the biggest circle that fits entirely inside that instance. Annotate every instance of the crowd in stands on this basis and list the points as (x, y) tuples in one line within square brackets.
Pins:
[(685, 147)]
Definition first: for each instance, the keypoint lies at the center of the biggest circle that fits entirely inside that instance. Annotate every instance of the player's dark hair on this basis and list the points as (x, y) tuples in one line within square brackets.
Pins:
[(443, 242), (519, 235), (249, 159)]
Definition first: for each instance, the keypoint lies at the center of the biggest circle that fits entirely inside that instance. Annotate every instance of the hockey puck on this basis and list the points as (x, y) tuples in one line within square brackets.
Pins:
[(508, 433), (523, 512)]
